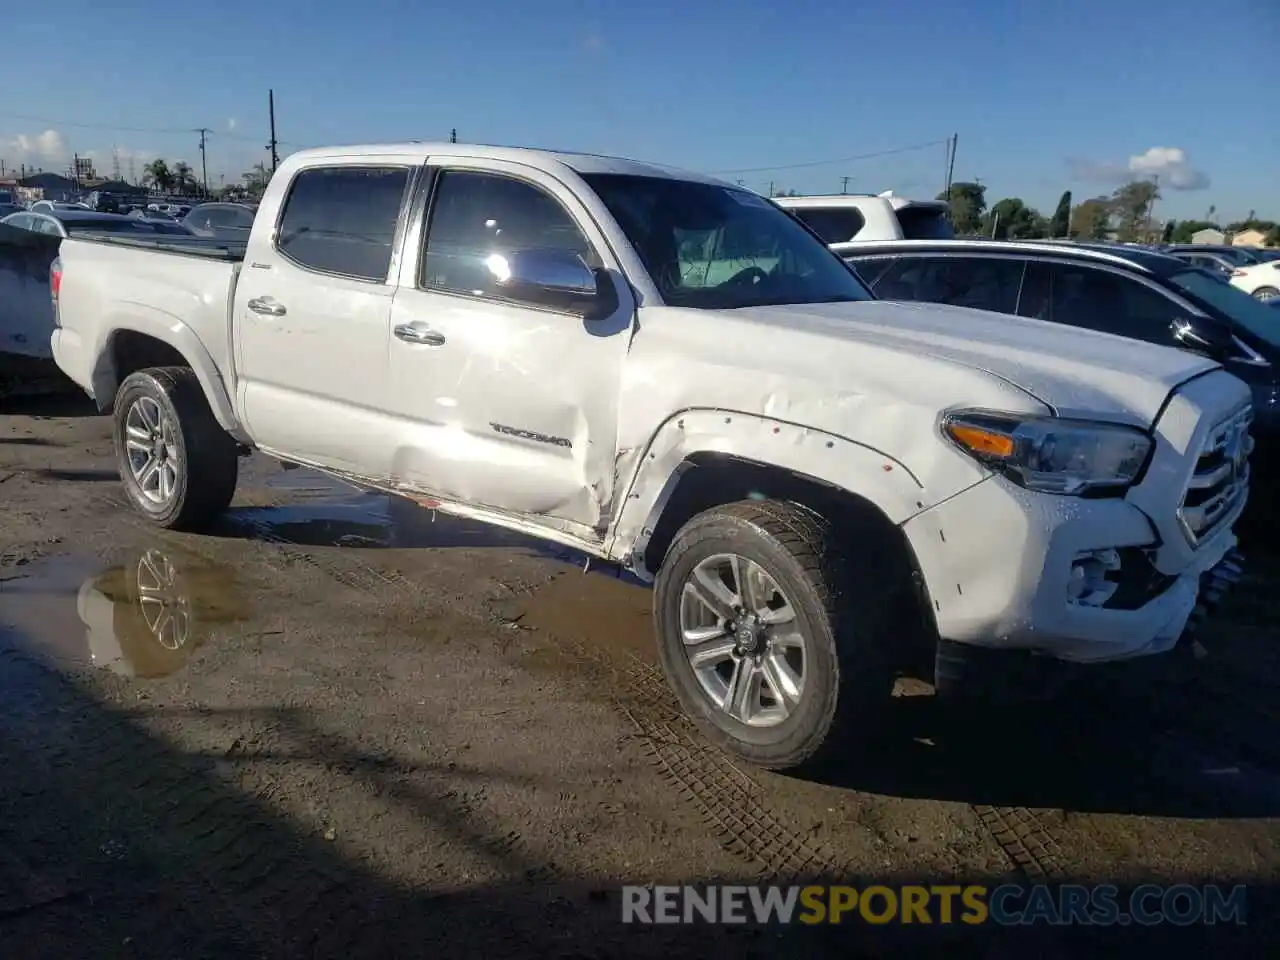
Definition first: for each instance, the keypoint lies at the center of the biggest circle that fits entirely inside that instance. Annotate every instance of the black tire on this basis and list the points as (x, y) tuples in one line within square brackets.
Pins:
[(207, 454), (1266, 293), (841, 605)]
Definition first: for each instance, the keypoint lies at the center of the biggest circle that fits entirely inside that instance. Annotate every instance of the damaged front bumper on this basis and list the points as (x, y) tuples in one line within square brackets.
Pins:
[(977, 671), (1069, 580)]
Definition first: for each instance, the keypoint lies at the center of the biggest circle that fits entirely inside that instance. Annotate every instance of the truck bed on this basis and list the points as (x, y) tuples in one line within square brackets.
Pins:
[(207, 248)]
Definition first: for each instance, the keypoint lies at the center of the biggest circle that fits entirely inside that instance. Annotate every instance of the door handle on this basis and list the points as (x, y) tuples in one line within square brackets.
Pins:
[(412, 334), (266, 306)]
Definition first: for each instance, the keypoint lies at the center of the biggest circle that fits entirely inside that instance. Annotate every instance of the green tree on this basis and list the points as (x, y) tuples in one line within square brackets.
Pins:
[(256, 180), (184, 181), (1091, 219), (968, 202), (1131, 205), (1166, 235), (1012, 219), (157, 174), (1273, 237), (1060, 222)]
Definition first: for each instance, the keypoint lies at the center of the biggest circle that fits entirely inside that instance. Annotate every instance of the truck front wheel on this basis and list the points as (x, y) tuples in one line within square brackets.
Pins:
[(773, 637), (178, 465)]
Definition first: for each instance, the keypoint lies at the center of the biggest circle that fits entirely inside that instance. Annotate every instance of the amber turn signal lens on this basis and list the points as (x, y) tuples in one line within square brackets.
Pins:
[(984, 442)]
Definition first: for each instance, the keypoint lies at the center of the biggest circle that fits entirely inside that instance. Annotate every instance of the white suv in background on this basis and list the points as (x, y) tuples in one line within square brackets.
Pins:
[(861, 218), (1262, 280)]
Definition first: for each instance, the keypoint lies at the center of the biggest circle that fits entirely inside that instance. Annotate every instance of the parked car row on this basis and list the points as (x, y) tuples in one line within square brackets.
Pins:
[(671, 373), (26, 312)]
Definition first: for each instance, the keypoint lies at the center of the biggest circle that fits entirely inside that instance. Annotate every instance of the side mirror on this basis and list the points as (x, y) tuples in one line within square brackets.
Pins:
[(546, 275), (1205, 338)]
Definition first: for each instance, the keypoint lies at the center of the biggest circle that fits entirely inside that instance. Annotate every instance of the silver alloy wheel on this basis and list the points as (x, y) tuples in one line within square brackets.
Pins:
[(152, 450), (743, 640), (166, 610), (1265, 293)]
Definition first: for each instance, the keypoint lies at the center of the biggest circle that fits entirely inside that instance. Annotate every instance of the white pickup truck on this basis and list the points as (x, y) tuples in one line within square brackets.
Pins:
[(665, 371)]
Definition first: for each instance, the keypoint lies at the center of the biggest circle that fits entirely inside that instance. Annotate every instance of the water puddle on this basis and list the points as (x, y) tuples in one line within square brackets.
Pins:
[(596, 611), (142, 618)]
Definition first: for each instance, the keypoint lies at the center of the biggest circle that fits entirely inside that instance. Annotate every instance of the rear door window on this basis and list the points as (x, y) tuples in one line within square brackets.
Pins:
[(1096, 299), (342, 220), (983, 283), (872, 269), (832, 224)]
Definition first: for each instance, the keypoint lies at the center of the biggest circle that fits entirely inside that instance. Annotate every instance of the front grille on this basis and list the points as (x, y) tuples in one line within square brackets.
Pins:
[(1221, 476)]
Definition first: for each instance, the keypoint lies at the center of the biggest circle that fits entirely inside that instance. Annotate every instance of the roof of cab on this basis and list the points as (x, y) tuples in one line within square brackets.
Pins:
[(582, 163)]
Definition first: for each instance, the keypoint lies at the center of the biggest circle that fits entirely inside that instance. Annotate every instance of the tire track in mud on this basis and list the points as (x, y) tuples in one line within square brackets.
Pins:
[(726, 798)]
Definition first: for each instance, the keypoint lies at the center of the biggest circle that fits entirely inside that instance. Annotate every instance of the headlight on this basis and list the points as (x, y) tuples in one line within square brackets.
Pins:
[(1051, 455)]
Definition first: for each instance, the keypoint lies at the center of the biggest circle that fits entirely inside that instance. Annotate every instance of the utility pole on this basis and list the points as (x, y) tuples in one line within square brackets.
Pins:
[(951, 163), (271, 108), (75, 170), (133, 171), (115, 162), (453, 135), (204, 165), (1151, 207), (844, 184), (771, 188)]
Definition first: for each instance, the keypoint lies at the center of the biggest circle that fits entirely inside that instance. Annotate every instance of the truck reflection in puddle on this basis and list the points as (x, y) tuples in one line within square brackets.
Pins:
[(145, 618)]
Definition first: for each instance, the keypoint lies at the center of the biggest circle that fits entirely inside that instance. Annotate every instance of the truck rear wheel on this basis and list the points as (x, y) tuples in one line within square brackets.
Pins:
[(178, 465), (771, 635)]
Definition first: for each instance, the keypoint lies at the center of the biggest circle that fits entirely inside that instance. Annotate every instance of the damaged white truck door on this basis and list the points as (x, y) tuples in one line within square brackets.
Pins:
[(507, 399)]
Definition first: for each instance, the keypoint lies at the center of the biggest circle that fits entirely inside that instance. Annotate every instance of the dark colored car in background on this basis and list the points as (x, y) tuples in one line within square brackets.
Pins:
[(226, 221), (1127, 291), (63, 223)]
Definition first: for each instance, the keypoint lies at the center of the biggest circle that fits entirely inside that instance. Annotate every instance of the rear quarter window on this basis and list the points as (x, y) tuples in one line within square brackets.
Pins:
[(925, 223), (832, 224)]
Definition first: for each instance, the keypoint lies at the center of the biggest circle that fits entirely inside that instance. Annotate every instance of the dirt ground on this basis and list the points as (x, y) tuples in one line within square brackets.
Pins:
[(342, 726)]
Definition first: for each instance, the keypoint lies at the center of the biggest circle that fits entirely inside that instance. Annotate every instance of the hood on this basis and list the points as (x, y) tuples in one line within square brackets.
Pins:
[(1079, 373)]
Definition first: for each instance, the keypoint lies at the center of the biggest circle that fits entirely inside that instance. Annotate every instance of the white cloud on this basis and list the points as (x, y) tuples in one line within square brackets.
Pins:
[(231, 124), (1170, 164), (35, 150)]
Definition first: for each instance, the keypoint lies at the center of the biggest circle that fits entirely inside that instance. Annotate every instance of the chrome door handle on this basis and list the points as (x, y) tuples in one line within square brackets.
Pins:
[(266, 306), (411, 334)]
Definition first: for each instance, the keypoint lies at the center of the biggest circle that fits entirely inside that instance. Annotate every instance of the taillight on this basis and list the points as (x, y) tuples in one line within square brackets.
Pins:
[(1237, 273), (55, 278)]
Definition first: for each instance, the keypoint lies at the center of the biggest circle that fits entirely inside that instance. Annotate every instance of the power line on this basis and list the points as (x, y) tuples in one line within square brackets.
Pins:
[(823, 163), (47, 121)]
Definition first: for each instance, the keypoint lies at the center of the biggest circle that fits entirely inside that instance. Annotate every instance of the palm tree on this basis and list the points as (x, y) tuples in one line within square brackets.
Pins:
[(256, 179), (157, 174), (184, 180)]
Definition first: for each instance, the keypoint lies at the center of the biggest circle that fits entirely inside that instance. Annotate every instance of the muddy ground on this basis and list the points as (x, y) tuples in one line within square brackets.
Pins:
[(340, 726)]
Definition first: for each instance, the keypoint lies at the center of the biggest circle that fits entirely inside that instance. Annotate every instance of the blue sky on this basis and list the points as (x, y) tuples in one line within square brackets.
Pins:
[(1044, 96)]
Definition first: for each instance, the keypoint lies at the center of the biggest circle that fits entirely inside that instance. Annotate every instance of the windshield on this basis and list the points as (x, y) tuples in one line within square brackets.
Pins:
[(1225, 300), (717, 248)]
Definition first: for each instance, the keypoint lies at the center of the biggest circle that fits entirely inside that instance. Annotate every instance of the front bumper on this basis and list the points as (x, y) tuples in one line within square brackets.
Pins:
[(998, 563)]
